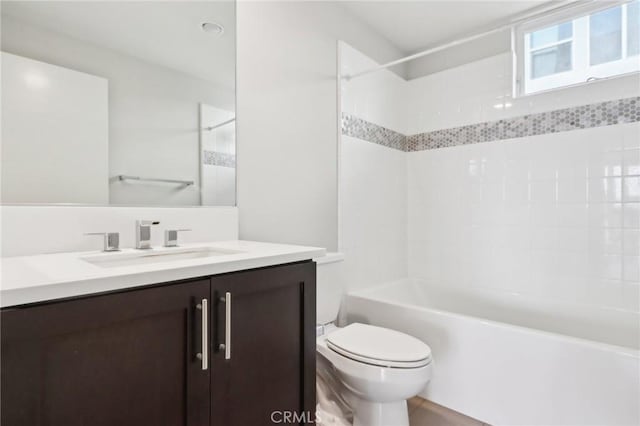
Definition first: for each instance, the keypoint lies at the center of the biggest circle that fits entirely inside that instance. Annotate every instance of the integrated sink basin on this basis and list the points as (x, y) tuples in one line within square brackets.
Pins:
[(145, 257)]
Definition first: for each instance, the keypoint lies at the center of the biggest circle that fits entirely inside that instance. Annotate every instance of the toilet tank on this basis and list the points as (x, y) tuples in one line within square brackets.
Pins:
[(330, 287)]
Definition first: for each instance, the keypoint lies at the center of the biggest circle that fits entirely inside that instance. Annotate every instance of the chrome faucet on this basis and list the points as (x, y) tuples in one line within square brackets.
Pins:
[(111, 240), (171, 237), (143, 233)]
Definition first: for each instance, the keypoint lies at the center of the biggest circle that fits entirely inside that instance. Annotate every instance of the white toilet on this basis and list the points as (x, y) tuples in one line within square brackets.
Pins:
[(376, 369)]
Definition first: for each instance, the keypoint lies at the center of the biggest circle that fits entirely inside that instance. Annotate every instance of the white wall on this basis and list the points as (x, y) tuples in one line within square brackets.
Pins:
[(287, 117), (153, 112), (28, 230), (55, 134), (475, 50)]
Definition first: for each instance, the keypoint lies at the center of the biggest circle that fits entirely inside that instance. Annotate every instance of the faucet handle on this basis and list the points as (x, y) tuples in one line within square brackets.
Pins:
[(143, 233), (111, 240), (147, 222), (171, 237)]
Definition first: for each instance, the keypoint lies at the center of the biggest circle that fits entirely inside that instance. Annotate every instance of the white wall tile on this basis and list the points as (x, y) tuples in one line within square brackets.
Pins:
[(572, 215), (631, 242), (554, 216), (605, 164), (631, 215), (572, 239), (631, 271), (631, 162), (631, 135), (374, 213), (544, 191), (605, 266), (631, 291), (631, 189), (540, 225), (572, 190), (607, 215), (468, 93), (605, 190), (377, 97), (605, 241)]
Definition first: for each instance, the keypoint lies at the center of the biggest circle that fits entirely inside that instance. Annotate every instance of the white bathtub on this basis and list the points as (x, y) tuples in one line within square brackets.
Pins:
[(512, 360)]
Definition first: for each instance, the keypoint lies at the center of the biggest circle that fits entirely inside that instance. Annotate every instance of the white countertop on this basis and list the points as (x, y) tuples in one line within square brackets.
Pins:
[(29, 279)]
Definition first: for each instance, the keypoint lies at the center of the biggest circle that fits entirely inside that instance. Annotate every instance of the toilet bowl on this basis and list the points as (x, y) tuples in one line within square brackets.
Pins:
[(377, 370)]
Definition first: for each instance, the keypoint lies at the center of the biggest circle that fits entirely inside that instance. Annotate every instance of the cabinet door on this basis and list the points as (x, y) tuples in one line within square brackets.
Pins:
[(270, 369), (121, 359)]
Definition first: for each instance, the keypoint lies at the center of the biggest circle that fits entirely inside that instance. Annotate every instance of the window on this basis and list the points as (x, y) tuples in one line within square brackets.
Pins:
[(605, 36), (569, 50), (550, 50), (633, 28)]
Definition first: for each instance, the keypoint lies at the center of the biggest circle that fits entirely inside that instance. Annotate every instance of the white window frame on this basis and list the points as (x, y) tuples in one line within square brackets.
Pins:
[(580, 56)]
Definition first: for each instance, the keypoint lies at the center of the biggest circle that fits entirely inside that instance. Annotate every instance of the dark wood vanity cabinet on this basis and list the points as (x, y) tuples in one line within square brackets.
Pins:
[(271, 365), (119, 359), (135, 357)]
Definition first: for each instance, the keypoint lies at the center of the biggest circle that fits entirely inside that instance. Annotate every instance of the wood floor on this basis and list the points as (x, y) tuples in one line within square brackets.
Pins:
[(426, 413)]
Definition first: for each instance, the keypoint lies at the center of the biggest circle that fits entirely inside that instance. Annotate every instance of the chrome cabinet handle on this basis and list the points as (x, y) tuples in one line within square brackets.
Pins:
[(204, 355), (227, 326)]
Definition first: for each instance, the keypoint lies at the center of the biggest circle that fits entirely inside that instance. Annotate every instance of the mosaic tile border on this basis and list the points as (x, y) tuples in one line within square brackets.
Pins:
[(365, 130), (608, 113), (213, 158)]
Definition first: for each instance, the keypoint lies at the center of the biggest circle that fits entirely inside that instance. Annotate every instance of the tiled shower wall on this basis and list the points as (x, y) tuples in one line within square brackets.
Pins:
[(373, 181), (552, 214)]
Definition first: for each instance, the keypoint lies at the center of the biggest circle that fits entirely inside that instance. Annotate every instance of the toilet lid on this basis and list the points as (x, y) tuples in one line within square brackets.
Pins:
[(379, 346)]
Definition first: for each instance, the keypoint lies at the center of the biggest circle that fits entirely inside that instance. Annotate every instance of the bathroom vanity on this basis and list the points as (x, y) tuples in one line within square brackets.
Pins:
[(228, 342), (137, 123)]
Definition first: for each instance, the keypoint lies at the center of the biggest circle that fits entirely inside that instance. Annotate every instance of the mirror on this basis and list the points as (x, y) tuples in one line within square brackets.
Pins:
[(118, 103)]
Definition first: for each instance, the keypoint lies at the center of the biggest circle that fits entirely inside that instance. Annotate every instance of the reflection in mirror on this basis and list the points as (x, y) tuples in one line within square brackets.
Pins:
[(122, 103)]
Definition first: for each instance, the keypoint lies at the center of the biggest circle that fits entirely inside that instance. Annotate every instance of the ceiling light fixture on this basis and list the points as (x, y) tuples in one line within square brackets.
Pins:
[(213, 28)]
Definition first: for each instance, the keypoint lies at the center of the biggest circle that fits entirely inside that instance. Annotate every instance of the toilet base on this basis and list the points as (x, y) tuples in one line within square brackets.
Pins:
[(369, 413)]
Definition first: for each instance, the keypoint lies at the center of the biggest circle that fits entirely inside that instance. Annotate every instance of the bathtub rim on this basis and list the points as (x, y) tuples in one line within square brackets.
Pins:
[(618, 349)]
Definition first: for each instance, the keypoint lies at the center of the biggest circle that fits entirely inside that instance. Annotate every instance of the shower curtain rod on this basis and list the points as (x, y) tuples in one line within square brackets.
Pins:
[(224, 123), (532, 15)]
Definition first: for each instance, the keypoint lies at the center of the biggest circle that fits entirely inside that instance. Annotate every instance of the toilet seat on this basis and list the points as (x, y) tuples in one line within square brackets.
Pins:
[(379, 346)]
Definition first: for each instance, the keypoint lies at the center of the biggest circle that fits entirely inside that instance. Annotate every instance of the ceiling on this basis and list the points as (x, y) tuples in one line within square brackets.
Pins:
[(141, 28), (166, 33), (415, 26)]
